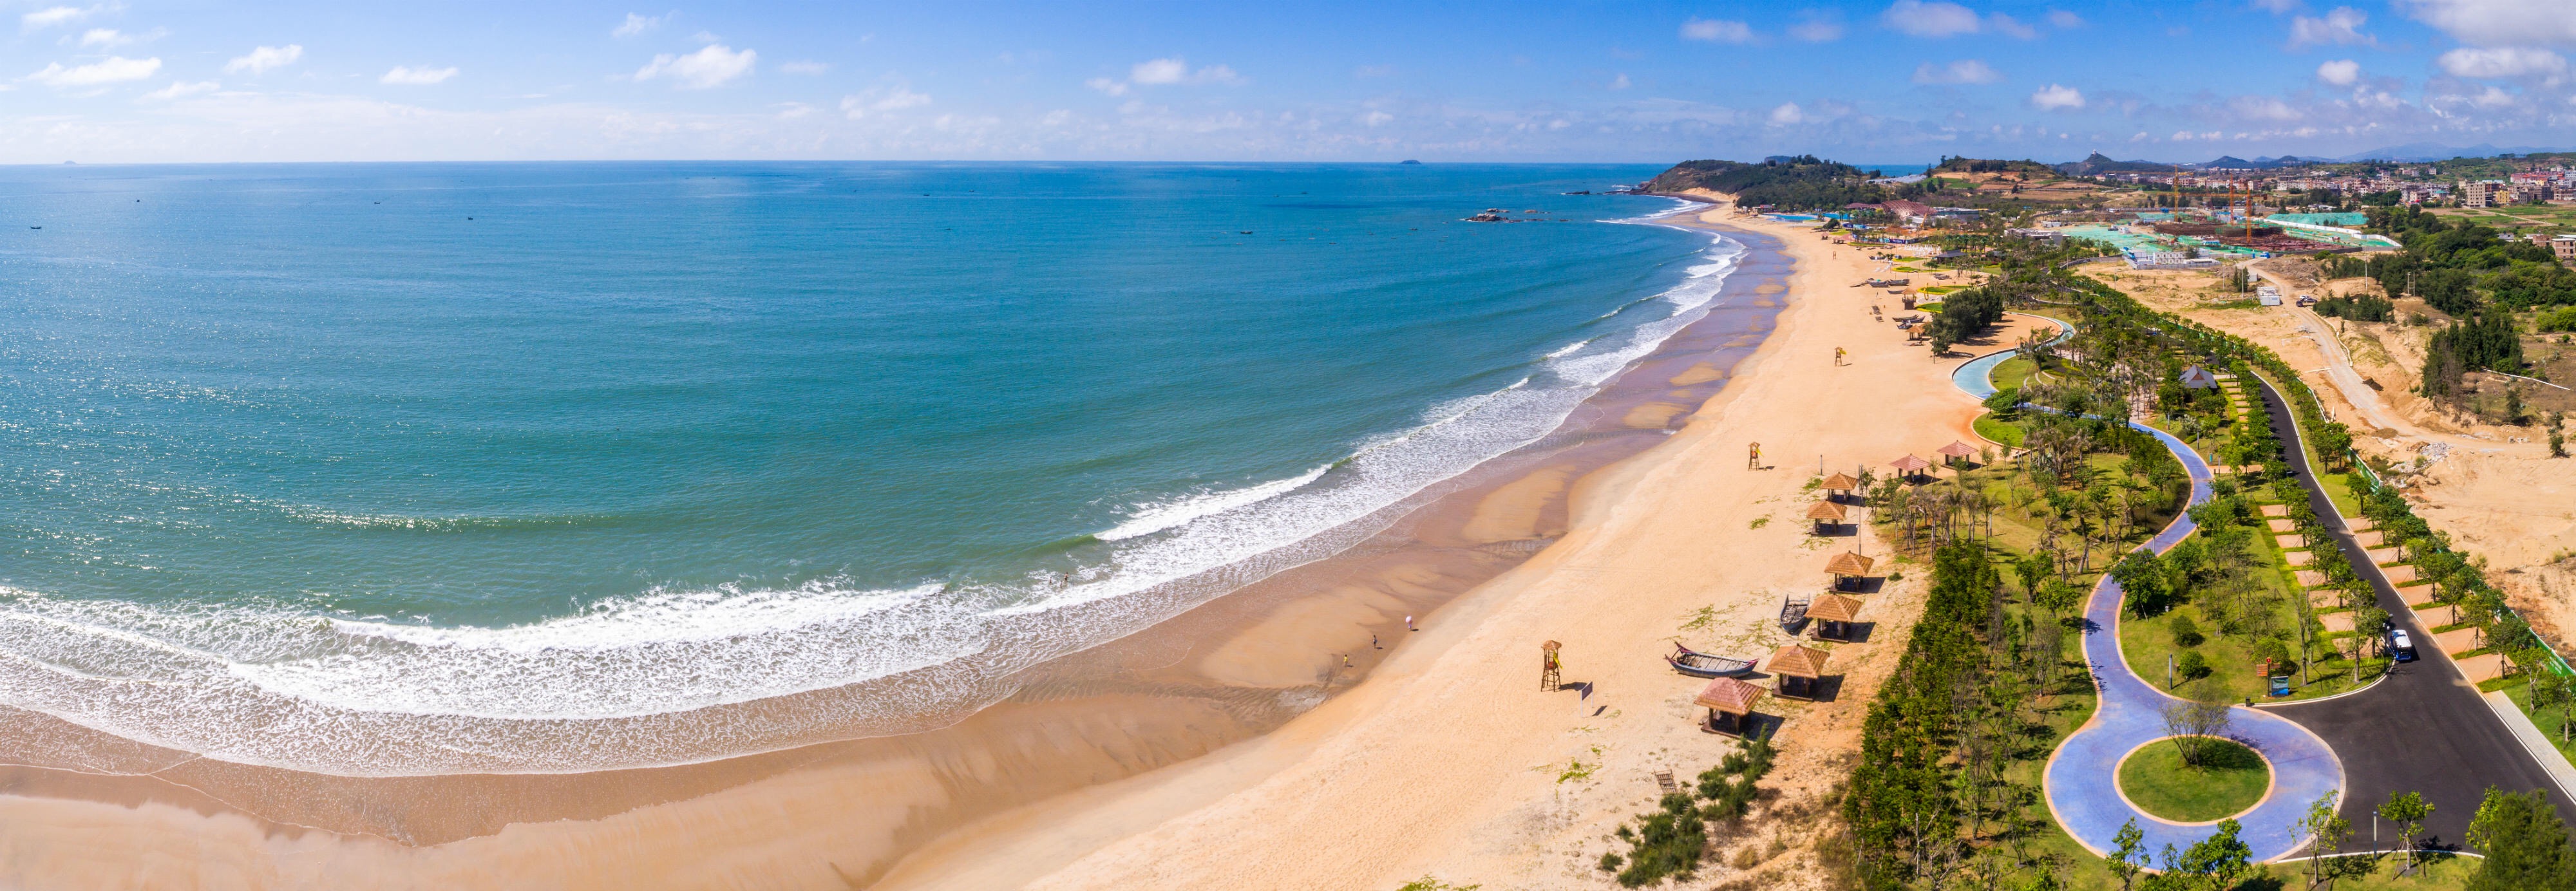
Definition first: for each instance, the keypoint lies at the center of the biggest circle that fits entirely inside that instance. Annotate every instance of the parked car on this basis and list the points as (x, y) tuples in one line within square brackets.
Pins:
[(2401, 647)]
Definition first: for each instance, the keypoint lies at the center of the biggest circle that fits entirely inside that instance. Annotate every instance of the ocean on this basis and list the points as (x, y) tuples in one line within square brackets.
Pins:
[(392, 469)]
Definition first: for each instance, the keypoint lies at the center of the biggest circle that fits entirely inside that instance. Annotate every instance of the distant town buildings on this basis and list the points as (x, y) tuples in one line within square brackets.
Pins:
[(2481, 193)]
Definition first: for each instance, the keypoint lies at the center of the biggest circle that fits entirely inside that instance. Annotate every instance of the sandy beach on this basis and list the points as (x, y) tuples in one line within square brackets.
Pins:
[(1205, 752), (1449, 761)]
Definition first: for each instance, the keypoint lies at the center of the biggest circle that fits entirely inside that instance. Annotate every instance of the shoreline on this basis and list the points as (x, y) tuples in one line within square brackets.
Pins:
[(1443, 768), (1228, 672)]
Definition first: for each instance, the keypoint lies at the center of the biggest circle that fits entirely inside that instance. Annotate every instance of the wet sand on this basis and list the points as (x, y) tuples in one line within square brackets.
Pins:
[(80, 809)]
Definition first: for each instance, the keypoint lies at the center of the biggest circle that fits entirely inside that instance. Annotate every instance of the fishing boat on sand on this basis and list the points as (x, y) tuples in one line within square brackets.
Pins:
[(1706, 665)]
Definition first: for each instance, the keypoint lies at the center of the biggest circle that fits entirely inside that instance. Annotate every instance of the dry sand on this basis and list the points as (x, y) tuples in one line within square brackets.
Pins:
[(1147, 760)]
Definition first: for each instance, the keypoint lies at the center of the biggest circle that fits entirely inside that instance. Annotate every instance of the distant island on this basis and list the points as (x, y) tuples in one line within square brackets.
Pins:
[(1409, 161)]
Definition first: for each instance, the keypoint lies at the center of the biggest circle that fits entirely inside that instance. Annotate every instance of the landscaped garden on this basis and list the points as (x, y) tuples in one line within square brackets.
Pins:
[(2194, 780)]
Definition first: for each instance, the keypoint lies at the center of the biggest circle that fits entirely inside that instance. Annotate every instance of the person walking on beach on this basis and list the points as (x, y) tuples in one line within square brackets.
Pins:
[(1408, 624), (1838, 357), (1753, 456)]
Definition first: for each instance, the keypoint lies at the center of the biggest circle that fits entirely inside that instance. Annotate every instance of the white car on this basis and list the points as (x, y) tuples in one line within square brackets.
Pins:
[(2401, 646)]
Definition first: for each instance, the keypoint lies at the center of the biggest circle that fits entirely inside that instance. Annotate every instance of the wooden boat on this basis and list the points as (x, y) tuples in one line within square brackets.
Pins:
[(1706, 665), (1793, 613)]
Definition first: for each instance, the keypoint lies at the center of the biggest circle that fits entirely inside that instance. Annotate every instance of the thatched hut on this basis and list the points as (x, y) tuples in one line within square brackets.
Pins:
[(1848, 568), (1838, 486), (1834, 615), (1795, 670), (1730, 705), (1827, 515)]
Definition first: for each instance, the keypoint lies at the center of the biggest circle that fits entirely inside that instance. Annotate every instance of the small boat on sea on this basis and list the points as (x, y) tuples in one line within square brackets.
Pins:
[(1706, 665)]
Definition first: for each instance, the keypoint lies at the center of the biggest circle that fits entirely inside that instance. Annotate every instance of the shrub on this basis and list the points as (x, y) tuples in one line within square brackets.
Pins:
[(2186, 633), (2192, 665)]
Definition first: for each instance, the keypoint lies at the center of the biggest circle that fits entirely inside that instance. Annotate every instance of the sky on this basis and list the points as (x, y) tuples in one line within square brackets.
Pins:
[(1887, 81)]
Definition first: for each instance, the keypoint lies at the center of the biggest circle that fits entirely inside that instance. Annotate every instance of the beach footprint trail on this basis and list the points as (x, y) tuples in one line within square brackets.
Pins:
[(2082, 778)]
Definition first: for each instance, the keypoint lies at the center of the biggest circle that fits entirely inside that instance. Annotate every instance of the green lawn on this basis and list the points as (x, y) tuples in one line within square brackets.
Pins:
[(2013, 372), (2552, 720), (2230, 780), (2007, 432)]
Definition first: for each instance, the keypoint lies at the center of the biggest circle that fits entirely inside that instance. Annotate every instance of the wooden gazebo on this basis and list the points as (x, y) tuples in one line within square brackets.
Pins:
[(1795, 670), (1838, 486), (1957, 451), (1827, 515), (1847, 568), (1834, 615), (1730, 705), (1910, 466)]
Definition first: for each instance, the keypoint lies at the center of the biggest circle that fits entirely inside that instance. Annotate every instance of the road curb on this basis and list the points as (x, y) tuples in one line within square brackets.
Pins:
[(2551, 759)]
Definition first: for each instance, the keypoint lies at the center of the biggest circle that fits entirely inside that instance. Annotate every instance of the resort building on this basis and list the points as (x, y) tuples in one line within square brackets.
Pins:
[(2050, 237), (2198, 378), (2565, 247)]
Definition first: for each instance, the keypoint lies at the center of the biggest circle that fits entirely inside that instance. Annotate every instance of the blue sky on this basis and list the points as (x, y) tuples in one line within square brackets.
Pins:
[(1902, 81)]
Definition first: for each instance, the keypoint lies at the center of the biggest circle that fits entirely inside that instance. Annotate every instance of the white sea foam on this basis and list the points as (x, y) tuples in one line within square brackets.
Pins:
[(1158, 516), (679, 676)]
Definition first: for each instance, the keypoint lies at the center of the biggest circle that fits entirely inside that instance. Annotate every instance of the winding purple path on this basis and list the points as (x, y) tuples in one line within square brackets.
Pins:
[(2082, 779)]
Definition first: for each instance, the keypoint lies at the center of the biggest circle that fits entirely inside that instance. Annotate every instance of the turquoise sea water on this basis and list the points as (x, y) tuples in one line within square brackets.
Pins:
[(382, 469)]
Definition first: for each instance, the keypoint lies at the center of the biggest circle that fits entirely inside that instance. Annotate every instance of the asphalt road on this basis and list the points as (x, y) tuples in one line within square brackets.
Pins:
[(2423, 729)]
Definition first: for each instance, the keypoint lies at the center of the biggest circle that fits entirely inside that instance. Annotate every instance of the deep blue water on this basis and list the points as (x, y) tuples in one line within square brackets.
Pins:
[(518, 442)]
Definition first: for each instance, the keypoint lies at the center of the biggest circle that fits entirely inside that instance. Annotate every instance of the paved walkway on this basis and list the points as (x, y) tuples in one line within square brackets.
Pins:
[(2082, 778)]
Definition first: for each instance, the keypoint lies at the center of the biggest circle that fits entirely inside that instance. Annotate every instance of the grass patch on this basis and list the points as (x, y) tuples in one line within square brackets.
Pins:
[(2007, 432), (2013, 373), (2229, 781)]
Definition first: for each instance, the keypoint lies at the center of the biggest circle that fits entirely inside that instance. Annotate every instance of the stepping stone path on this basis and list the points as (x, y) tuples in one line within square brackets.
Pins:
[(2276, 510), (2299, 558), (2367, 539), (2282, 526), (2291, 542), (2458, 640), (2335, 621)]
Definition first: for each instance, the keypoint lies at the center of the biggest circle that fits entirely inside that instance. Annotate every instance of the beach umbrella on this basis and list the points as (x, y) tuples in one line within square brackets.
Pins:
[(1957, 449), (1833, 609), (1839, 482), (1797, 663), (1910, 465)]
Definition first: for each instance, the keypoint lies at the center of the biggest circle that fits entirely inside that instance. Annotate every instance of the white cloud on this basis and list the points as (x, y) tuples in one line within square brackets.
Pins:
[(1376, 118), (2013, 26), (183, 89), (2277, 7), (1788, 113), (1159, 71), (896, 96), (2063, 19), (2500, 22), (1164, 72), (710, 66), (2055, 98), (804, 67), (1373, 71), (1817, 30), (105, 38), (418, 77), (1621, 82), (2492, 98), (1934, 19), (264, 58), (1717, 31), (637, 24), (2339, 72), (112, 70), (2502, 62), (55, 15), (1964, 71), (2341, 26)]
